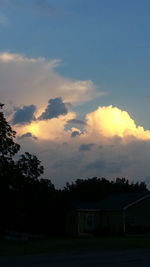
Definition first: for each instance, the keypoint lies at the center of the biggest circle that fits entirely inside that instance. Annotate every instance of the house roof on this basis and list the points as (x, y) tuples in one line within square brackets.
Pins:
[(113, 202)]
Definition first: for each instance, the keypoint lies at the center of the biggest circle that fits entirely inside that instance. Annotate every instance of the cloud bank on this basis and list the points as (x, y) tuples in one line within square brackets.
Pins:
[(106, 143), (27, 81), (110, 145)]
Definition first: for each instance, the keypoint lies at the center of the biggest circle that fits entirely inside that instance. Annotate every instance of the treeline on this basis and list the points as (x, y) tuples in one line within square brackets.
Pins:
[(96, 188), (35, 206), (29, 203)]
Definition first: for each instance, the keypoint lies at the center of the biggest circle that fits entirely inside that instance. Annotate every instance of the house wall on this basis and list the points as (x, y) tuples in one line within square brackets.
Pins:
[(103, 222), (112, 222), (87, 226), (138, 216)]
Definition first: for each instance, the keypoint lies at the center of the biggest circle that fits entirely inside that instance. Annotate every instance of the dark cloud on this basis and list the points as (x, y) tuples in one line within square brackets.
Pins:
[(68, 164), (54, 109), (118, 166), (75, 121), (85, 147), (24, 115), (114, 167), (75, 133), (27, 135), (109, 167), (98, 164)]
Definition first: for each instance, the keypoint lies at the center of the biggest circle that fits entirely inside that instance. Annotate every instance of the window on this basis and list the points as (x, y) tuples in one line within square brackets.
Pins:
[(89, 222)]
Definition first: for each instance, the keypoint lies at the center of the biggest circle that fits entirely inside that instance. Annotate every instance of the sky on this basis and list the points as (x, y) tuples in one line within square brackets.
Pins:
[(74, 78)]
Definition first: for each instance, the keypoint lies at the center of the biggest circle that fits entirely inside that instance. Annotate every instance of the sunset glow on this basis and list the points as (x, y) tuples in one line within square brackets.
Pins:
[(111, 121), (75, 85)]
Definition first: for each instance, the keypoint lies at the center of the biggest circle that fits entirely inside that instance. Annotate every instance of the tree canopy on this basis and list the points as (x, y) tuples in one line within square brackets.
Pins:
[(8, 147), (29, 202)]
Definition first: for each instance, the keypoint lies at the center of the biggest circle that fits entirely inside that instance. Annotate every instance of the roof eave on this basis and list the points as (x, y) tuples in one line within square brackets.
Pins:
[(135, 202)]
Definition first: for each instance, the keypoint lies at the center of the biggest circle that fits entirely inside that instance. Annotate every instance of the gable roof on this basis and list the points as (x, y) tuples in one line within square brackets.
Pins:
[(113, 202), (122, 201)]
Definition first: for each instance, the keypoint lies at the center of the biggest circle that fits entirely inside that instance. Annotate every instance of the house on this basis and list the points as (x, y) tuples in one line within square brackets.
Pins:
[(115, 214)]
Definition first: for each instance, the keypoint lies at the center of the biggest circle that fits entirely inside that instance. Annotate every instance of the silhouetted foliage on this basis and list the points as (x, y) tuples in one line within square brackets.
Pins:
[(96, 188), (29, 166), (31, 203), (8, 147)]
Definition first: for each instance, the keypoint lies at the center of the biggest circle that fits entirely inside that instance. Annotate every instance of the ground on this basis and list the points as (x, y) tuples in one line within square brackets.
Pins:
[(127, 251), (127, 258)]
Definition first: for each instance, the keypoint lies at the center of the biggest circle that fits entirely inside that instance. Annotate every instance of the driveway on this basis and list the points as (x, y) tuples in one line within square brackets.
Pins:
[(128, 258)]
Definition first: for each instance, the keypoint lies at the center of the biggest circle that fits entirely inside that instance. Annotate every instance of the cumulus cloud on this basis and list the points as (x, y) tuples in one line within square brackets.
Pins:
[(116, 145), (113, 150), (14, 58), (116, 148), (54, 109), (51, 129), (111, 121), (66, 163), (26, 79), (24, 115)]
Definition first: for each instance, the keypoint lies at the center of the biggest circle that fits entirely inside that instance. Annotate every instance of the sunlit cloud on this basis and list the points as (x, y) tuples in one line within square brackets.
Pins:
[(50, 129), (7, 57), (104, 123), (109, 145), (27, 135), (111, 121), (107, 142), (26, 81)]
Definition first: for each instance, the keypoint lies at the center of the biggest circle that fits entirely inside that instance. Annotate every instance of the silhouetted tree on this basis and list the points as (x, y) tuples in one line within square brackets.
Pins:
[(29, 166), (96, 188), (8, 147), (31, 203)]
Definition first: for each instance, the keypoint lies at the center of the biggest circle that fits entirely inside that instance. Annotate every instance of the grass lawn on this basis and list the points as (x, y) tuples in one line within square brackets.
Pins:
[(9, 248)]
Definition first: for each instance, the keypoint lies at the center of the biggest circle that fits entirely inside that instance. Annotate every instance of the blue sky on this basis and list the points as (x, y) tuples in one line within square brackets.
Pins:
[(104, 41)]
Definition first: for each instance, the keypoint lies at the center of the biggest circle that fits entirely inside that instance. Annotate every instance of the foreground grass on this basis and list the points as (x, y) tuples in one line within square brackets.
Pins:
[(9, 248)]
